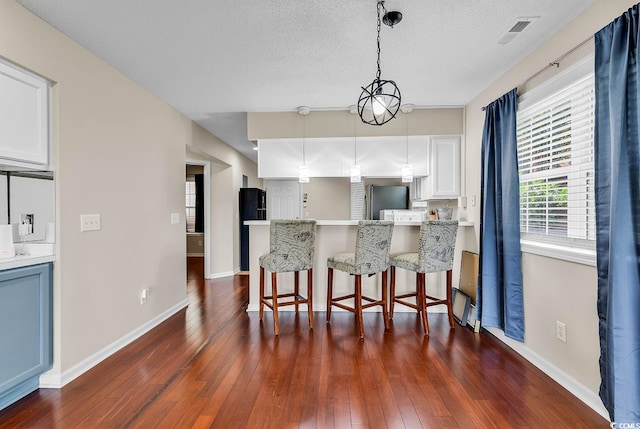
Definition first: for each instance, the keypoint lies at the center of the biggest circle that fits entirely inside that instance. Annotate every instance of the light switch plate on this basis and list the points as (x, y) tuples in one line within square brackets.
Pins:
[(175, 218), (89, 222)]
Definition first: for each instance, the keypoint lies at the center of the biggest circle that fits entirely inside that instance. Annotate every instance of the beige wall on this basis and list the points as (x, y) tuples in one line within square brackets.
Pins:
[(227, 168), (341, 123), (195, 244), (194, 169), (111, 137), (327, 198), (553, 289)]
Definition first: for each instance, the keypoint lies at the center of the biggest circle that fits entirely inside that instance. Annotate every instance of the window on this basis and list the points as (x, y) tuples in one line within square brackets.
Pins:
[(190, 193), (555, 162)]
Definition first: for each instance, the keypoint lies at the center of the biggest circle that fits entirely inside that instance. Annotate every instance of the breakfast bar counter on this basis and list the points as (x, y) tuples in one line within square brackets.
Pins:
[(338, 236)]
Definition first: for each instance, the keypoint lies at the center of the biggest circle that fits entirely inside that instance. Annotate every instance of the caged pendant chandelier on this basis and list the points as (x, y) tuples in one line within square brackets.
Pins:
[(380, 100)]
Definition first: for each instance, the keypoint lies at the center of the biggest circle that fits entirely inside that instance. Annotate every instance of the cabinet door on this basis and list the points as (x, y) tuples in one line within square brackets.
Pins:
[(329, 157), (24, 118), (333, 157), (445, 167), (25, 330), (419, 155), (279, 158)]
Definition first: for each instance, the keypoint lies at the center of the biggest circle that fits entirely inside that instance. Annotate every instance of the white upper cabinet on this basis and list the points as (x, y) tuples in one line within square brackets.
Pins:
[(279, 158), (24, 118), (333, 157), (443, 180)]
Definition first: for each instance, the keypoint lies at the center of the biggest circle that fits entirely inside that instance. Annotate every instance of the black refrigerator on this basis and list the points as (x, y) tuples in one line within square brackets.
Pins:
[(253, 206)]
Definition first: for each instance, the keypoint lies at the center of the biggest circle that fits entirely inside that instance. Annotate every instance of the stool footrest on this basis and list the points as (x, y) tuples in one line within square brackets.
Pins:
[(408, 304), (406, 295), (344, 307), (298, 300), (341, 298)]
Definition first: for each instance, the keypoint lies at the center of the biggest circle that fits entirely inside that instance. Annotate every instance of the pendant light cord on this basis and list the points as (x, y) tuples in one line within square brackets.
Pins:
[(406, 124), (355, 143)]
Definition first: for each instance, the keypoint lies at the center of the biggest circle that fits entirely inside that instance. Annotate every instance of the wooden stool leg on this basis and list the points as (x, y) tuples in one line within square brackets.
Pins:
[(310, 296), (358, 302), (421, 296), (274, 288), (385, 314), (296, 288), (261, 292), (450, 298), (393, 291), (329, 292), (424, 298)]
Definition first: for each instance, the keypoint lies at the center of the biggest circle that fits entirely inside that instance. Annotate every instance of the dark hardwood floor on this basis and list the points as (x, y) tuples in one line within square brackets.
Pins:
[(214, 365)]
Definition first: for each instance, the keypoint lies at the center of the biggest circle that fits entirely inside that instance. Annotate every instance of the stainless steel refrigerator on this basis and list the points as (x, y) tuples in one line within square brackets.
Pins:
[(252, 207)]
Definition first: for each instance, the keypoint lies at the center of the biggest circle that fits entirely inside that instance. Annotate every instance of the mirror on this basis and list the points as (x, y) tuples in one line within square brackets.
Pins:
[(28, 197)]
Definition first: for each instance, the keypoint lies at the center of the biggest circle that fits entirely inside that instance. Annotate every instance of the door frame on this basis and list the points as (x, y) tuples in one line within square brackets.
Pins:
[(207, 212)]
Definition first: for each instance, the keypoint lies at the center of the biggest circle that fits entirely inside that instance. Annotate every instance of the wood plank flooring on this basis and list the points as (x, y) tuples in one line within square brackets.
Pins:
[(215, 366)]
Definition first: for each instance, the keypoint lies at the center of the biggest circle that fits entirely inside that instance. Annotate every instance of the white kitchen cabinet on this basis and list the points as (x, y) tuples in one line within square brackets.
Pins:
[(279, 158), (443, 180), (333, 157), (24, 118)]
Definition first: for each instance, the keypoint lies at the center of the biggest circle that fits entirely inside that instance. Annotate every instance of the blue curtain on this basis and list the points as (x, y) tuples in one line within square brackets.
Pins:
[(499, 297), (617, 195)]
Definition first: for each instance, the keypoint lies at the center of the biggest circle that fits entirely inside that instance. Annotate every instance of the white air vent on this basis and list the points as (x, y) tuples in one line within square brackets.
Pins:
[(515, 29)]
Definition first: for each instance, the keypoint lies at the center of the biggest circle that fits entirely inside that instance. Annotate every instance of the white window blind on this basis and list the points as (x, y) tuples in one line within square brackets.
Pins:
[(555, 162), (190, 203)]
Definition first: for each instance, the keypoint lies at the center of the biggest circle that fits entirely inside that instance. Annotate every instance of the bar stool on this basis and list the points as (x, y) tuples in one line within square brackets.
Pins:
[(435, 253), (371, 256), (292, 249)]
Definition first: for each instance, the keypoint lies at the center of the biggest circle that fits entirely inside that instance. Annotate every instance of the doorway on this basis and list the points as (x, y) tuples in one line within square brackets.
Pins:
[(198, 211), (283, 199)]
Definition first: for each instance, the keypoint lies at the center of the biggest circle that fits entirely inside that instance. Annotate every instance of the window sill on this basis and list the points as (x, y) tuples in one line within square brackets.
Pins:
[(571, 254), (195, 234)]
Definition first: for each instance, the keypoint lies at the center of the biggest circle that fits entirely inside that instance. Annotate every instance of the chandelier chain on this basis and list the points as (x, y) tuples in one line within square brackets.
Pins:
[(380, 5)]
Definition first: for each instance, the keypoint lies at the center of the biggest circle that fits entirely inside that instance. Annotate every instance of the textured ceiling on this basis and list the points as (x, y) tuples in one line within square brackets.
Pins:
[(216, 60)]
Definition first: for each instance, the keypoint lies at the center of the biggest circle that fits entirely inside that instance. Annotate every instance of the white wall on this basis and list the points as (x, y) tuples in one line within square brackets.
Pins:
[(119, 152), (553, 289)]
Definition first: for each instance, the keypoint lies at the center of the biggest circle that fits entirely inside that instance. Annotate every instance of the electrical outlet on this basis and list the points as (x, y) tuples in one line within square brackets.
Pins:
[(89, 222), (561, 331), (175, 218)]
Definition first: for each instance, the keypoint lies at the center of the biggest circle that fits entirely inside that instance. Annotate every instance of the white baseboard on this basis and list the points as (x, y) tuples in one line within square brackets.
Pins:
[(56, 381), (221, 275), (590, 398)]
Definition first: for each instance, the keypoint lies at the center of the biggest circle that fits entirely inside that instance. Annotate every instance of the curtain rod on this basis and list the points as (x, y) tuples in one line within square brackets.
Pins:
[(554, 63)]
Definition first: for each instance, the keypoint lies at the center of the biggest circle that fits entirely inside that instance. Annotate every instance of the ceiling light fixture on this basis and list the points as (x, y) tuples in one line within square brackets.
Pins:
[(380, 100)]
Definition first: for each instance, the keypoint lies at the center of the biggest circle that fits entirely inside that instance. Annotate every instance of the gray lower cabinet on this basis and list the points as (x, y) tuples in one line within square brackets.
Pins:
[(26, 332)]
